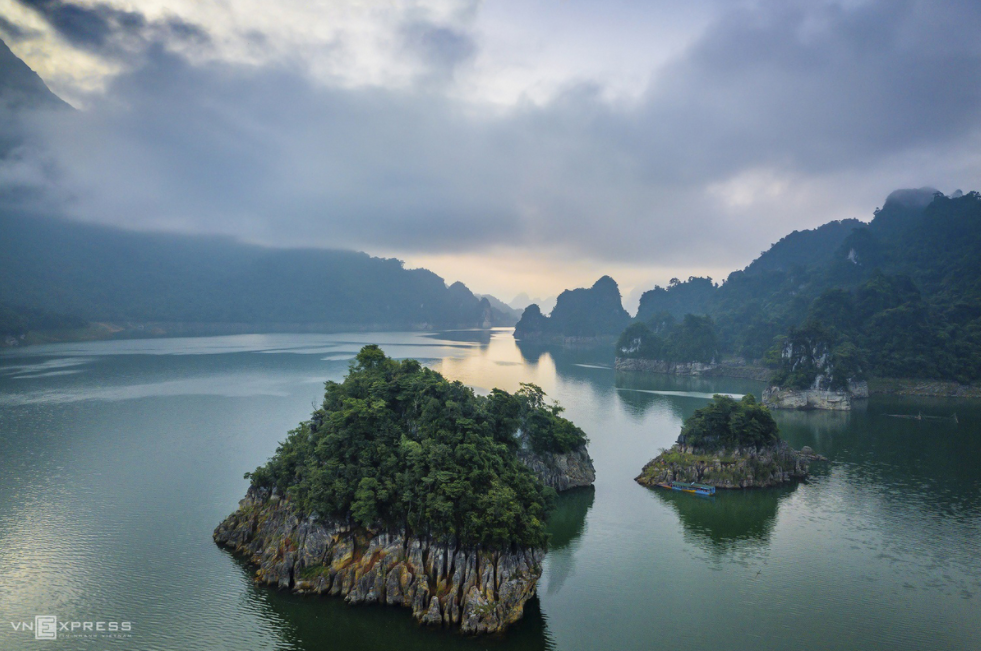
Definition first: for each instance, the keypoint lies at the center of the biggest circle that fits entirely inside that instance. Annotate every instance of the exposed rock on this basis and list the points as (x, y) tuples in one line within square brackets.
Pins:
[(481, 591), (835, 400), (561, 471), (704, 369), (737, 468)]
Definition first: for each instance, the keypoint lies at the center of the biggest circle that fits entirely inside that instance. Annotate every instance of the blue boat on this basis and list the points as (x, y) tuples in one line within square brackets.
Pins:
[(686, 487)]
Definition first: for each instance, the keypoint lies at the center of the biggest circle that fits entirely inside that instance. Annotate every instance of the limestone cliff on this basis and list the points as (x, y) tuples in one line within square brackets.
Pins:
[(561, 471), (775, 397), (704, 369), (736, 468), (479, 591)]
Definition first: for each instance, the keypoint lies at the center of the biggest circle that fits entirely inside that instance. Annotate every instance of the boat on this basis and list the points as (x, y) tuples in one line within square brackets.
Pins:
[(689, 487)]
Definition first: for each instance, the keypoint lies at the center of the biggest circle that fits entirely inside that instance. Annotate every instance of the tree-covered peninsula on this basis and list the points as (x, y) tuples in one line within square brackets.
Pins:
[(729, 444), (405, 488)]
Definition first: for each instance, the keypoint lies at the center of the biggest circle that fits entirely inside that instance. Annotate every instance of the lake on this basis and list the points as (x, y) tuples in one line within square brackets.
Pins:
[(118, 459)]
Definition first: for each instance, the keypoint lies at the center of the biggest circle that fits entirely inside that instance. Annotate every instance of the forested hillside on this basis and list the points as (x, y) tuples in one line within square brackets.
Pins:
[(903, 290), (75, 271)]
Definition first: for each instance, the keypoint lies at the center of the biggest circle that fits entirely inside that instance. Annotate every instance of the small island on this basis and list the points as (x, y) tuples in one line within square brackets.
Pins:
[(407, 489), (729, 444)]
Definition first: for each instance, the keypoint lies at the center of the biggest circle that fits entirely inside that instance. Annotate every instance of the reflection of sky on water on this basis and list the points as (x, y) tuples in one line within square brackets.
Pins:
[(114, 473)]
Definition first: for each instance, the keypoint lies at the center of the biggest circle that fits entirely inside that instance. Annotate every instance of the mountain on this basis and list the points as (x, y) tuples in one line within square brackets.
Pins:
[(522, 300), (104, 274), (578, 313), (21, 87), (60, 274), (501, 306), (903, 290)]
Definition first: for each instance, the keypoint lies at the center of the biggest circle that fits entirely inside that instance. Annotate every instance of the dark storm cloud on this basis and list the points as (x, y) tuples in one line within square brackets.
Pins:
[(826, 96), (107, 30), (14, 33)]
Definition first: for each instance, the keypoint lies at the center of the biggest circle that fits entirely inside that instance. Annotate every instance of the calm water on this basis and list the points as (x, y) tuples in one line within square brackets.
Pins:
[(117, 459)]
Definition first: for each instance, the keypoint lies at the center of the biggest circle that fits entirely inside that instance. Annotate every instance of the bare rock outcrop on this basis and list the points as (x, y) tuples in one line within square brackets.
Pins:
[(561, 471), (736, 468), (476, 590)]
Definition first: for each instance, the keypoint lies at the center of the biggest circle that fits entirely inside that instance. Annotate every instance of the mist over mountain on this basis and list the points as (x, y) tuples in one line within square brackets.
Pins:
[(99, 273), (905, 289), (61, 274)]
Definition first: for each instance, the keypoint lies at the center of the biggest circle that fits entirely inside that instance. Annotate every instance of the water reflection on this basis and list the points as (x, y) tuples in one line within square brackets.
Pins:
[(728, 520), (566, 525)]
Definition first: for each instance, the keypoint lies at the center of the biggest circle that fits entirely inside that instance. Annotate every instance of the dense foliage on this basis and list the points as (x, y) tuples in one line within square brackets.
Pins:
[(815, 356), (593, 312), (107, 274), (728, 423), (397, 445), (899, 297), (16, 320), (661, 338)]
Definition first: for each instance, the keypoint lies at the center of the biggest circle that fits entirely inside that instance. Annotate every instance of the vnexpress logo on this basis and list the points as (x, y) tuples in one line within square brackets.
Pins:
[(46, 627)]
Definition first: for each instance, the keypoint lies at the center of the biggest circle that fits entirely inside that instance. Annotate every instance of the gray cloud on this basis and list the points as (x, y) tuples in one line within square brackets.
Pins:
[(109, 31), (816, 108), (14, 32)]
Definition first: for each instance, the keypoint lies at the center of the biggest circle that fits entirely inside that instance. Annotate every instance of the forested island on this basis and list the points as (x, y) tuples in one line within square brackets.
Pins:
[(581, 315), (823, 311), (729, 444), (407, 489)]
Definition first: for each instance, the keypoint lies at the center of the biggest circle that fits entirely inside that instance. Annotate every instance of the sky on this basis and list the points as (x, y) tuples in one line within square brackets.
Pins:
[(527, 146)]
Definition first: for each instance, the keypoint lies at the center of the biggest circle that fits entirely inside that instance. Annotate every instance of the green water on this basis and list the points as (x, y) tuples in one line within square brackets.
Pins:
[(117, 459)]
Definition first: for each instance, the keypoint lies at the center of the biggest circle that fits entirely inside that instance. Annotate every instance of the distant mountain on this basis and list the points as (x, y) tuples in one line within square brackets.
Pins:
[(522, 300), (21, 87), (501, 306), (903, 290), (578, 313), (60, 274), (98, 274)]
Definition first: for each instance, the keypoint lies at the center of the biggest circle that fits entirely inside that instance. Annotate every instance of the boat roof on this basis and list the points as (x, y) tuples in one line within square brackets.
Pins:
[(692, 484)]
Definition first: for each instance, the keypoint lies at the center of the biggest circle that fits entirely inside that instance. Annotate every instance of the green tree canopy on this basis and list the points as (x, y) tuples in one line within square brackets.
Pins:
[(728, 423), (396, 445)]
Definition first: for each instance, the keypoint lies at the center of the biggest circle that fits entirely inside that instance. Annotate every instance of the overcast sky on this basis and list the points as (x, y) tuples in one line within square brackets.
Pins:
[(528, 145)]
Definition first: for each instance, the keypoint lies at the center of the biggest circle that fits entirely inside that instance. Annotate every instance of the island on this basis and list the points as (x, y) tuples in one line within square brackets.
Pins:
[(729, 444), (410, 490), (580, 316)]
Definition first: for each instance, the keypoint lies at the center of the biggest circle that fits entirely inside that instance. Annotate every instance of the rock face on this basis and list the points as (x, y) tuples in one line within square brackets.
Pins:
[(737, 468), (479, 591), (561, 471), (780, 398), (704, 369)]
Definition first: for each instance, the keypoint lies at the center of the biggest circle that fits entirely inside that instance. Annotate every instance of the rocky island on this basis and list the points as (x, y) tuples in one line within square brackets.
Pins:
[(729, 444), (406, 489)]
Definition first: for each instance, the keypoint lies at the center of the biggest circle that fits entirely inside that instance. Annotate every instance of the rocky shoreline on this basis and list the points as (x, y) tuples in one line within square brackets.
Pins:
[(736, 468), (561, 471), (929, 388), (444, 584), (775, 397), (742, 371), (480, 591)]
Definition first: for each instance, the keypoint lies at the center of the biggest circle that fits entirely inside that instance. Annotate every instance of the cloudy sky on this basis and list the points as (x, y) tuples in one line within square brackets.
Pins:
[(527, 145)]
